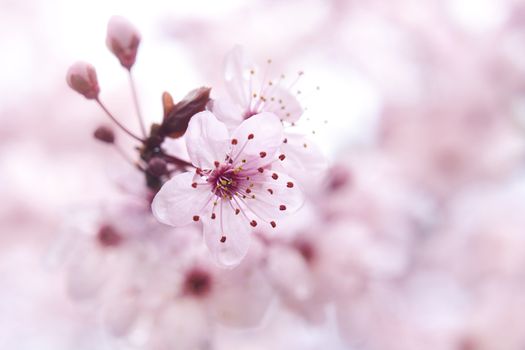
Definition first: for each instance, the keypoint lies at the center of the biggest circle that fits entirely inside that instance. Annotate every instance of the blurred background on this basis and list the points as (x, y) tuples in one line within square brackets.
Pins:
[(418, 106)]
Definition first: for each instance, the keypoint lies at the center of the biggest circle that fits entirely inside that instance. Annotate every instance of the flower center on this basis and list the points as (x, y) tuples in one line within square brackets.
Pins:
[(224, 181), (198, 282)]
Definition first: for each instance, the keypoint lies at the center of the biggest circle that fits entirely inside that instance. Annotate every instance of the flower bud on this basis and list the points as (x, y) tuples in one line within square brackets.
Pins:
[(82, 78), (123, 40), (104, 134), (157, 167)]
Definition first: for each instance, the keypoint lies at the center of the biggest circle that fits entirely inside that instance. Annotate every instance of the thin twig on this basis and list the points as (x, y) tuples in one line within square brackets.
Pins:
[(117, 122), (136, 103)]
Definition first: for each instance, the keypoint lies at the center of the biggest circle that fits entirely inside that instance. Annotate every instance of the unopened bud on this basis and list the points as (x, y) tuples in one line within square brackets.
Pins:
[(157, 167), (104, 134), (123, 40), (82, 78)]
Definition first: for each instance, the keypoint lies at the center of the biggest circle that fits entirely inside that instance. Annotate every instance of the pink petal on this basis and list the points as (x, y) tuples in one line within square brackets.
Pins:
[(261, 133), (243, 295), (304, 160), (284, 104), (207, 140), (227, 236), (274, 198), (227, 112), (178, 202), (237, 67), (120, 315)]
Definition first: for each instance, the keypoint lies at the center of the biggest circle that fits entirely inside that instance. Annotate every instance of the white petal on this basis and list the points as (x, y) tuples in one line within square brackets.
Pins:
[(237, 75), (233, 229), (261, 133), (178, 202), (206, 140)]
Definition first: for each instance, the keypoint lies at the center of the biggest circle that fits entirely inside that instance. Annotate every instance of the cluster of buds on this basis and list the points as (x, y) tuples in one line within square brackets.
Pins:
[(123, 41)]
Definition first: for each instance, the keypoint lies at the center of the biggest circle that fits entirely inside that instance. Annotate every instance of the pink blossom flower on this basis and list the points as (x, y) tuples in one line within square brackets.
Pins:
[(234, 187), (251, 94)]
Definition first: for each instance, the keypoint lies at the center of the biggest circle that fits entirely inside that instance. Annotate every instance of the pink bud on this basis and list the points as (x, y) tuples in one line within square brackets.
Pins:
[(123, 40), (82, 78)]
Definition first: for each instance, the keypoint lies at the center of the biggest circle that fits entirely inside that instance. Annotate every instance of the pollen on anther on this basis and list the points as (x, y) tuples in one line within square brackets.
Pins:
[(273, 224), (282, 157), (234, 141), (223, 239), (253, 223), (282, 207), (275, 176), (196, 218), (251, 136), (262, 154), (289, 184)]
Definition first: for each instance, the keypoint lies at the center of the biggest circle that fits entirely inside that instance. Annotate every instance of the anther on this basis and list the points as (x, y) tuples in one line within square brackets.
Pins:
[(251, 136), (234, 141), (253, 223), (213, 216), (282, 157), (262, 154), (194, 185), (270, 191), (282, 207), (289, 184), (237, 211), (261, 170), (275, 176), (273, 224), (223, 239), (216, 163), (196, 218)]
